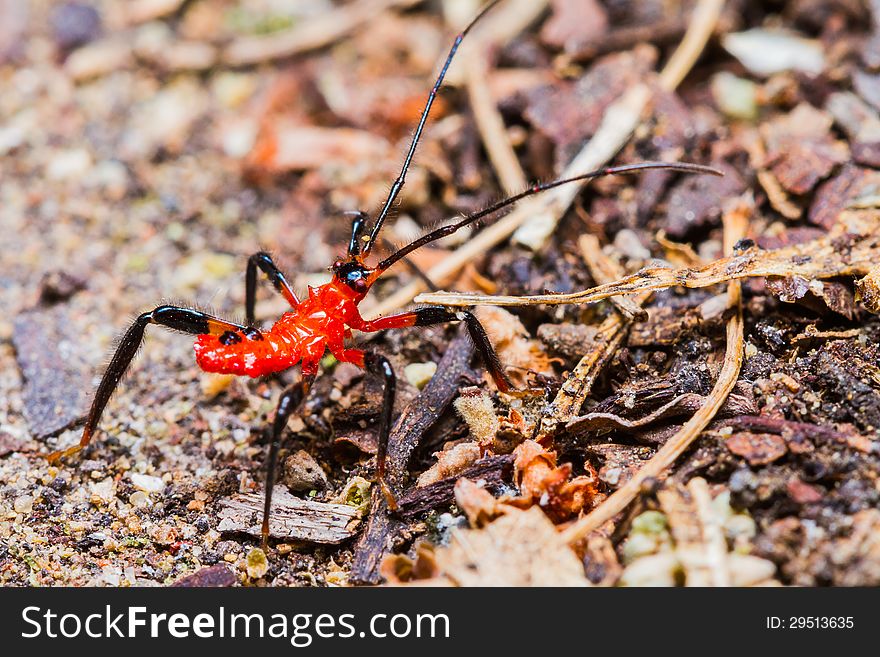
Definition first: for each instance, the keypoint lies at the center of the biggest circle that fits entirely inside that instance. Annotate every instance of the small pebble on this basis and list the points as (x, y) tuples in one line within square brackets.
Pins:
[(257, 564), (23, 504), (75, 24), (139, 500), (418, 374), (147, 483), (302, 472)]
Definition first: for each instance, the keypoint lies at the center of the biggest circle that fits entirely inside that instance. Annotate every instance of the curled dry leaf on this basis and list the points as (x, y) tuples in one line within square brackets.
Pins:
[(868, 290), (544, 483), (452, 460), (800, 148)]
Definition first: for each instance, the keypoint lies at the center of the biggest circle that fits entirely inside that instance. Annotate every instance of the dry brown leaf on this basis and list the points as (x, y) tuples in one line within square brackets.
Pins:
[(515, 348), (549, 486), (521, 548)]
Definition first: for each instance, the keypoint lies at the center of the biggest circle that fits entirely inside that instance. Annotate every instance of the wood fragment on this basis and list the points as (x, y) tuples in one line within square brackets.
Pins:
[(292, 518), (418, 417), (493, 471), (735, 227)]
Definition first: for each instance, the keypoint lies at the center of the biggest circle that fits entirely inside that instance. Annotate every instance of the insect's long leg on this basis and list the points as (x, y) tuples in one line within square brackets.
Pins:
[(173, 317), (289, 402), (378, 365), (276, 277), (684, 167), (439, 315), (401, 179)]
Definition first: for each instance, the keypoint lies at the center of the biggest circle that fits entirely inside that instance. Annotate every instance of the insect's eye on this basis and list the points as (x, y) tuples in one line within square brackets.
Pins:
[(359, 285)]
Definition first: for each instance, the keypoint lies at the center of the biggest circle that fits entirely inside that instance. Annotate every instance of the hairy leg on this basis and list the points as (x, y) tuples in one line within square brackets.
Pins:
[(439, 315), (172, 317)]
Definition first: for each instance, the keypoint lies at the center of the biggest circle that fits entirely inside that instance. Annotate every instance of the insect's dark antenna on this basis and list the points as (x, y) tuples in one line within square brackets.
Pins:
[(685, 167), (401, 179)]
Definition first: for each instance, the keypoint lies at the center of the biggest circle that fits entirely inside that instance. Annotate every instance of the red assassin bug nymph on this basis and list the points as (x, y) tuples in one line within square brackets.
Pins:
[(325, 318)]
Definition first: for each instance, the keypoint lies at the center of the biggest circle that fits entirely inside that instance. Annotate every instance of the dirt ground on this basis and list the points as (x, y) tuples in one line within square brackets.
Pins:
[(148, 148)]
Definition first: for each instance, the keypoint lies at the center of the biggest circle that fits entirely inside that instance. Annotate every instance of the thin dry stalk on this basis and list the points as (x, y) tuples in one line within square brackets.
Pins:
[(702, 24), (735, 226), (491, 126), (604, 270), (577, 387)]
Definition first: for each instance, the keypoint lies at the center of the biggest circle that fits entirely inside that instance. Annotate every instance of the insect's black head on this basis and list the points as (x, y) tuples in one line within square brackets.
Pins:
[(354, 274)]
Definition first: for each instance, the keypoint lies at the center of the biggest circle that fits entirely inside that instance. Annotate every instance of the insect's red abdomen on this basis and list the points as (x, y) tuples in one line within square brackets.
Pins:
[(254, 358)]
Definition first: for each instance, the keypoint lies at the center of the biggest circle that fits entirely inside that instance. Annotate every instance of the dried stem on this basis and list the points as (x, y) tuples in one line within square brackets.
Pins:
[(491, 125), (817, 259)]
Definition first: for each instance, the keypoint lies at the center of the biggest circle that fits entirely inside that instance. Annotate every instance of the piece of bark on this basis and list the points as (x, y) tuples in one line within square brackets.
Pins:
[(418, 417), (55, 373), (216, 576), (291, 518), (493, 471)]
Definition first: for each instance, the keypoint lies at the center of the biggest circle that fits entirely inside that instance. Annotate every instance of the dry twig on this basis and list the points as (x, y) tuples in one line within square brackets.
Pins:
[(851, 249)]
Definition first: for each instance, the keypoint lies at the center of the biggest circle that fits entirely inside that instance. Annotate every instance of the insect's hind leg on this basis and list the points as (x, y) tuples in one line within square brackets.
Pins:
[(378, 365), (264, 262), (291, 401), (172, 317)]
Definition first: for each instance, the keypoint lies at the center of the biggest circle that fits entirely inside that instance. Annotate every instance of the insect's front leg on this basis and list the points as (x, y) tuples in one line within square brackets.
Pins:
[(291, 401), (439, 315), (176, 318)]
